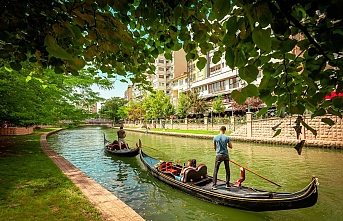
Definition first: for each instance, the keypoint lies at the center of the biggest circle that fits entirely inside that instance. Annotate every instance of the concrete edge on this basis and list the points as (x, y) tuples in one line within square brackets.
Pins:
[(111, 207)]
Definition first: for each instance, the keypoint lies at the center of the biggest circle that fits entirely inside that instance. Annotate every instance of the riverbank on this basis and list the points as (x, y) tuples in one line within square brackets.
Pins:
[(111, 207), (263, 140), (32, 187)]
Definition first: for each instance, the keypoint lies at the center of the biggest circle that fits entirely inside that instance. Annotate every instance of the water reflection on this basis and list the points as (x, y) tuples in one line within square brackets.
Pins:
[(153, 200)]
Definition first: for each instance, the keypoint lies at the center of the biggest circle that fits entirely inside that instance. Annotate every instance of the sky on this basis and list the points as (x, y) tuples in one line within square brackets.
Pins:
[(118, 91)]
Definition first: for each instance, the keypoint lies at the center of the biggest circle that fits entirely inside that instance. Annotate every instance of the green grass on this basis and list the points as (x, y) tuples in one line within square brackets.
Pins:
[(32, 187)]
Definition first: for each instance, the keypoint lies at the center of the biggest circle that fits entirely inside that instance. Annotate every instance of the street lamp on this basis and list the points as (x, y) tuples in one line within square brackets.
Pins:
[(212, 118)]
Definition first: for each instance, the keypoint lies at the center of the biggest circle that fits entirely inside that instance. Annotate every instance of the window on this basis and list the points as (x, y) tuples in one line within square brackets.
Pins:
[(161, 61), (181, 82), (161, 69), (216, 87), (161, 76), (215, 69), (233, 82)]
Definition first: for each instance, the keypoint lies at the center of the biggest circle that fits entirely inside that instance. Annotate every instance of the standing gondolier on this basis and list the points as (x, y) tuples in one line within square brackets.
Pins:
[(121, 137), (221, 142)]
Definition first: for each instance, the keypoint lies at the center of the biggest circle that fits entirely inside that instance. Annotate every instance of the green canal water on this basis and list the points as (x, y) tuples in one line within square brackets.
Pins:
[(153, 200)]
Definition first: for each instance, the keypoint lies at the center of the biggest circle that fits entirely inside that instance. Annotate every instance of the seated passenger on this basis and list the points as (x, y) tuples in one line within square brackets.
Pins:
[(191, 164), (113, 145)]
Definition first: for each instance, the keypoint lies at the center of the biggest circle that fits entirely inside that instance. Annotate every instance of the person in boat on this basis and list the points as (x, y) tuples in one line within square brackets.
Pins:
[(191, 164), (221, 142), (113, 145), (121, 138)]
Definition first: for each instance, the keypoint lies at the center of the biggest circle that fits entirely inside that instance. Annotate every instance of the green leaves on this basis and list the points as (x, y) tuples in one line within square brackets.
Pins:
[(328, 121), (201, 63), (250, 91), (238, 97), (338, 102), (248, 73), (221, 8), (264, 15), (298, 109), (16, 65), (229, 57), (277, 132), (58, 52), (262, 38)]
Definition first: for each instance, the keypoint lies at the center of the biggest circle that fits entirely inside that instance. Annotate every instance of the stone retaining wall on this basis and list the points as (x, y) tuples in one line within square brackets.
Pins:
[(263, 129), (16, 131)]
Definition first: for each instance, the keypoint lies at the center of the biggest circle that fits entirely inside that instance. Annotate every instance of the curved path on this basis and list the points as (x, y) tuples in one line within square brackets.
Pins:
[(108, 204)]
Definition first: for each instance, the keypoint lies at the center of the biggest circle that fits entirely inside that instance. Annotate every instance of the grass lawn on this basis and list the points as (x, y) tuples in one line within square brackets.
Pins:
[(32, 187)]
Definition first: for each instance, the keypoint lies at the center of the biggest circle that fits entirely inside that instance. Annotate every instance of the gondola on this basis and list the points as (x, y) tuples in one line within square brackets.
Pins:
[(198, 183), (114, 149)]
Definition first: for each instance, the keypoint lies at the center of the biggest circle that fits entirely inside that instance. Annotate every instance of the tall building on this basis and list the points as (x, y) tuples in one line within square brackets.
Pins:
[(166, 70), (128, 93)]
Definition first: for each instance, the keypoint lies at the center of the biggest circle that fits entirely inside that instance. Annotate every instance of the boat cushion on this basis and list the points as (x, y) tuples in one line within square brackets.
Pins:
[(167, 167), (193, 175)]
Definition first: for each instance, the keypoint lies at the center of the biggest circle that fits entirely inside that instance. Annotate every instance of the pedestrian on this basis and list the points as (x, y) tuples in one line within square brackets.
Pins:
[(163, 126), (221, 142)]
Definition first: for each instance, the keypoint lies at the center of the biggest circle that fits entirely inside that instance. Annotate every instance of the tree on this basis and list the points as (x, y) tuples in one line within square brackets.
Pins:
[(135, 110), (122, 112), (191, 103), (157, 105), (26, 101), (111, 108), (196, 104), (183, 107), (124, 37), (218, 106), (255, 104)]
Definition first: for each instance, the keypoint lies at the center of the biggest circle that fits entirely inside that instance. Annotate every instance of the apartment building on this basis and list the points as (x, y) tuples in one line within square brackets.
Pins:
[(128, 93), (219, 79), (179, 84), (176, 76)]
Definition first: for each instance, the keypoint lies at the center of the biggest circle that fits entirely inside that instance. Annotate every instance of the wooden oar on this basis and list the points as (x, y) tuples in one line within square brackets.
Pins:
[(255, 173)]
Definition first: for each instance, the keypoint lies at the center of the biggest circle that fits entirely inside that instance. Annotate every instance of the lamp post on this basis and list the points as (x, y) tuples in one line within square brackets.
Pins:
[(212, 118)]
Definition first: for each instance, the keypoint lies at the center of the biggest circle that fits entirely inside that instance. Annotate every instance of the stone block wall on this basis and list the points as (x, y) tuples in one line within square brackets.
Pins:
[(16, 131), (263, 129), (324, 131)]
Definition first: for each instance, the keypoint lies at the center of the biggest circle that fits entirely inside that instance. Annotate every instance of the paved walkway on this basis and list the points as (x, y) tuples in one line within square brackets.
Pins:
[(109, 205), (265, 140)]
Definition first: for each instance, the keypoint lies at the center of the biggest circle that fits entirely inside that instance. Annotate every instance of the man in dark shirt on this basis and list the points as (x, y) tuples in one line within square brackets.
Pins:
[(221, 142), (121, 137)]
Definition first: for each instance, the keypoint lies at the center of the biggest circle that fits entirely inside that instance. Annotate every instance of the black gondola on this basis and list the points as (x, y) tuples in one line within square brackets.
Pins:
[(114, 149), (198, 183)]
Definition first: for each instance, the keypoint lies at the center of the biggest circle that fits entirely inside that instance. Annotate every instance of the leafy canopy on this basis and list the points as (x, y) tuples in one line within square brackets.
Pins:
[(27, 100), (123, 37)]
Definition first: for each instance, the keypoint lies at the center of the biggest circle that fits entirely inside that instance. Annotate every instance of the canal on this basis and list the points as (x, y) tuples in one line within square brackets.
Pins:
[(153, 200)]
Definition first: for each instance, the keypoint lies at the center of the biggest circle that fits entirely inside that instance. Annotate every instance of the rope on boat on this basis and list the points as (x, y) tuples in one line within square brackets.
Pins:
[(317, 181)]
